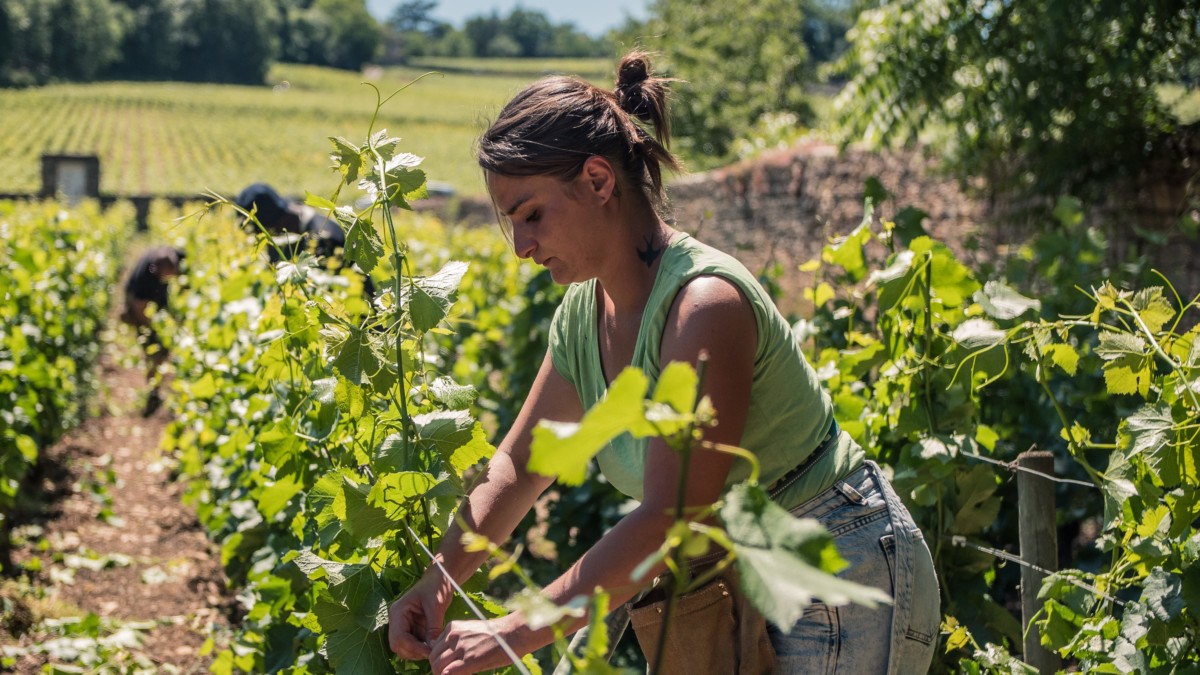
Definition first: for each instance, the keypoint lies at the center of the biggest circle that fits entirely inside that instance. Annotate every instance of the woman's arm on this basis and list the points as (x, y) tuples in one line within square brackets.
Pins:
[(709, 315), (495, 506)]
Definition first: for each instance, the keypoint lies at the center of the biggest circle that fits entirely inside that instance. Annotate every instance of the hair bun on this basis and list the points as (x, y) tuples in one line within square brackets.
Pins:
[(633, 75), (633, 70)]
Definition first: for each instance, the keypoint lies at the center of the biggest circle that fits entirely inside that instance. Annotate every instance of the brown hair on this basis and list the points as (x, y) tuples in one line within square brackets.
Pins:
[(552, 126)]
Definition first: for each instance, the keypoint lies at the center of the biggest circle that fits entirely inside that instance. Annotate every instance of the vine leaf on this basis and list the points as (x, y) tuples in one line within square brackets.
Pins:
[(848, 251), (1064, 356), (430, 298), (278, 441), (978, 333), (451, 394), (1002, 302), (976, 493), (346, 158), (323, 502), (457, 437), (394, 493), (1127, 367), (676, 387), (349, 397), (351, 613), (278, 495), (363, 243), (1148, 433), (1153, 307), (564, 449), (785, 562), (356, 360)]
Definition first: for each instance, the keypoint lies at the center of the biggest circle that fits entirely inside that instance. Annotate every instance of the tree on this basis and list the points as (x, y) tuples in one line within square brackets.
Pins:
[(481, 30), (355, 35), (1040, 95), (412, 31), (229, 40), (86, 37), (415, 15), (739, 59), (152, 43), (60, 39), (530, 29)]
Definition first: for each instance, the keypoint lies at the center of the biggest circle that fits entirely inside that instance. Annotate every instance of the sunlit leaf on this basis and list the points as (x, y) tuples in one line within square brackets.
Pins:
[(396, 493), (676, 386), (975, 334), (1154, 309), (564, 450), (350, 397), (278, 495), (346, 159), (456, 435), (451, 394), (1063, 356), (1002, 302)]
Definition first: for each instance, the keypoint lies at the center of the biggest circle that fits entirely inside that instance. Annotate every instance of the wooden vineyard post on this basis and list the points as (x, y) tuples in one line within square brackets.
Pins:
[(1039, 547)]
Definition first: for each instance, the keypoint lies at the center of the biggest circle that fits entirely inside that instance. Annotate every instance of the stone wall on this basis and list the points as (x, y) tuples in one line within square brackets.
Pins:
[(783, 208)]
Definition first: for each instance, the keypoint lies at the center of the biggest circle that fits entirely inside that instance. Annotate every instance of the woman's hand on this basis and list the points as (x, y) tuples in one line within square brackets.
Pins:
[(470, 647), (415, 620)]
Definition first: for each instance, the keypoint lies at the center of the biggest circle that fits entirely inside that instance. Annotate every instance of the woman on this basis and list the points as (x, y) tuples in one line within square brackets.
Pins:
[(578, 181)]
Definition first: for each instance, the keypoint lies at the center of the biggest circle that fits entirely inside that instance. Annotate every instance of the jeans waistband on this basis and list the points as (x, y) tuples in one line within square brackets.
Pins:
[(828, 442)]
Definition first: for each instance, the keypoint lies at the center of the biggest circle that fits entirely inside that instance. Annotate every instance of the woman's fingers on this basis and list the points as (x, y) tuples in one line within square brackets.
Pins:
[(406, 634)]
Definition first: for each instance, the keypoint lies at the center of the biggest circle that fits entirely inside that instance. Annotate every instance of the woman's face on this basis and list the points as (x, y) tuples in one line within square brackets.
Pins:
[(553, 223)]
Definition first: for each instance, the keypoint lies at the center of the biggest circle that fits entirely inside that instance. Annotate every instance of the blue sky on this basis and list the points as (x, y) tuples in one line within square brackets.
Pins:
[(591, 17)]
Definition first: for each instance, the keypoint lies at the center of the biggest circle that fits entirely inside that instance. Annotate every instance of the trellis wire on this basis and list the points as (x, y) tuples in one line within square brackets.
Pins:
[(512, 655), (1013, 466), (960, 540)]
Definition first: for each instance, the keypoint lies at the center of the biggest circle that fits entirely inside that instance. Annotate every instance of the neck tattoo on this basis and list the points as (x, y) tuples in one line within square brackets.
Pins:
[(650, 253)]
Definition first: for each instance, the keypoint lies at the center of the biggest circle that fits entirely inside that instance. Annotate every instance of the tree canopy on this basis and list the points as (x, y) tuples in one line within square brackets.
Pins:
[(1040, 95), (198, 40), (738, 60)]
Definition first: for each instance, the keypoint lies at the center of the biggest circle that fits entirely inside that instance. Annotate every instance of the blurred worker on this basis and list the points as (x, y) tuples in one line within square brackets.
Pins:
[(148, 283), (294, 227)]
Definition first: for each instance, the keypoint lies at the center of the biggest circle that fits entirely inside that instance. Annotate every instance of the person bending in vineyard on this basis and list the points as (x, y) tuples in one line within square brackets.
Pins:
[(294, 227), (577, 179), (148, 284)]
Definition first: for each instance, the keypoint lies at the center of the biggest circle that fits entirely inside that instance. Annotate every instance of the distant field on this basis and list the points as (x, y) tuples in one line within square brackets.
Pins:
[(175, 138), (598, 70)]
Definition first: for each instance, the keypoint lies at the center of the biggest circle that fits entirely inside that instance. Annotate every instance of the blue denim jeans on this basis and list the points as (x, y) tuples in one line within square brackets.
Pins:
[(874, 532)]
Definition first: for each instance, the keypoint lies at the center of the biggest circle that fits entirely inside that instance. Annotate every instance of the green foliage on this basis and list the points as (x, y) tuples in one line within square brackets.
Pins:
[(948, 371), (232, 41), (321, 447), (56, 269), (69, 39), (737, 61), (228, 41), (354, 37), (1034, 107)]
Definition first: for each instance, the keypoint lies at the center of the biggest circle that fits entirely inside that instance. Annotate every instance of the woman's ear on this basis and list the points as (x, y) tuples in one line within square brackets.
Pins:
[(598, 178)]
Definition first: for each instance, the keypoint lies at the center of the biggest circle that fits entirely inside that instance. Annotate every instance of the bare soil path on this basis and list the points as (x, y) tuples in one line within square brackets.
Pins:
[(115, 574)]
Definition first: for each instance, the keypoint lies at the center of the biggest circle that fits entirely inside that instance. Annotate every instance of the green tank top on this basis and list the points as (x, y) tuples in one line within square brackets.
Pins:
[(789, 409)]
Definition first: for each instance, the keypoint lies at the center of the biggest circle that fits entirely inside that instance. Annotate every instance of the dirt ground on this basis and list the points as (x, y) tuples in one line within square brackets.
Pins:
[(110, 536)]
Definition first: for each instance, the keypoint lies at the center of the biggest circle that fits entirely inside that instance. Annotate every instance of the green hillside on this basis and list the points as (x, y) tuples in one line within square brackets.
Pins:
[(176, 138)]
